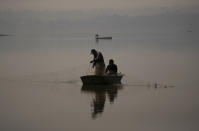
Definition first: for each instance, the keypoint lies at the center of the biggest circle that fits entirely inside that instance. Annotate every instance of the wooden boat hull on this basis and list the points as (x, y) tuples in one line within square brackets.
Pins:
[(101, 88), (101, 80)]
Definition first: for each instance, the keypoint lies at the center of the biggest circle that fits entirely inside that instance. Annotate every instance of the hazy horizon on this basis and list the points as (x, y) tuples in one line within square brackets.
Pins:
[(135, 11), (93, 4)]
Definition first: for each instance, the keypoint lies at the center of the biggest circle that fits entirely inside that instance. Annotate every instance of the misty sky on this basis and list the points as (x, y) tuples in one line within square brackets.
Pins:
[(93, 4)]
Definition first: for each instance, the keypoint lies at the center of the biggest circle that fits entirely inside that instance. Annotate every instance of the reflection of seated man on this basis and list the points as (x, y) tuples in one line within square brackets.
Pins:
[(112, 94), (111, 68)]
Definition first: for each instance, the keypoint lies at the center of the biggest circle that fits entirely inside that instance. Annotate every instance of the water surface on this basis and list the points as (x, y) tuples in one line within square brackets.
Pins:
[(41, 87)]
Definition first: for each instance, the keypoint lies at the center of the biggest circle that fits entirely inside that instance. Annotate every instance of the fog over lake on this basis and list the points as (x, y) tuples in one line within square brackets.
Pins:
[(46, 52)]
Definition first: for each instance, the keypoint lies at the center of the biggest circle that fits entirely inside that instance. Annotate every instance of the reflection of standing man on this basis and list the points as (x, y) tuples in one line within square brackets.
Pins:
[(98, 103), (98, 62)]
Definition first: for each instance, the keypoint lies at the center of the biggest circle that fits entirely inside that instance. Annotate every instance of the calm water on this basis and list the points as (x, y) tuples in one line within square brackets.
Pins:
[(40, 88)]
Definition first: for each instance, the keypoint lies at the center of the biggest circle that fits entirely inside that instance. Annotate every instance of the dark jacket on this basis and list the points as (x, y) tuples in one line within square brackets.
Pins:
[(112, 69)]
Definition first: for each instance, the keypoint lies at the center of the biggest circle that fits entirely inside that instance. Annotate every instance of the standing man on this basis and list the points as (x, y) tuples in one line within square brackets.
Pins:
[(98, 62)]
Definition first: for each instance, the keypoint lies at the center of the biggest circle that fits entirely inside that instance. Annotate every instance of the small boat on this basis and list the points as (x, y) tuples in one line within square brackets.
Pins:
[(4, 35), (107, 37), (101, 80)]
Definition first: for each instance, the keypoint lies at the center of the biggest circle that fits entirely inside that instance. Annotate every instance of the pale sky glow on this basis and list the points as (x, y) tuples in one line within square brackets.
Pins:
[(93, 4)]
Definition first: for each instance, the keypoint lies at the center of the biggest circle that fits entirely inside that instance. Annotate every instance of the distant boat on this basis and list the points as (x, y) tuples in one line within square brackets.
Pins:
[(189, 31), (97, 37), (101, 80), (4, 35)]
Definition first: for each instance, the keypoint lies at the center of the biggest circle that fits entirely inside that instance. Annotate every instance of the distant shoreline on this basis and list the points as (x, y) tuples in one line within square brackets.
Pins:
[(4, 35)]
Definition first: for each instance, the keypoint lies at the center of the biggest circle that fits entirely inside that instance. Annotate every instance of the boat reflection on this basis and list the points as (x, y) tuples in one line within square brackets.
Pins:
[(101, 93)]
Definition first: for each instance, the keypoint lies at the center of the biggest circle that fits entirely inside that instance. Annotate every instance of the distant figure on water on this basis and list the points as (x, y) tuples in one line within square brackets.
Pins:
[(98, 62), (111, 68), (96, 36)]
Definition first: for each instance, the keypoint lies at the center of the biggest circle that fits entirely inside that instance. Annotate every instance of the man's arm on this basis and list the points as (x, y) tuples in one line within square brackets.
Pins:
[(94, 62), (107, 68)]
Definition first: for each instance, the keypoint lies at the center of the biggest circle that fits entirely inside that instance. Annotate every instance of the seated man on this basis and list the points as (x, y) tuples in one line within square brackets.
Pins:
[(111, 68)]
